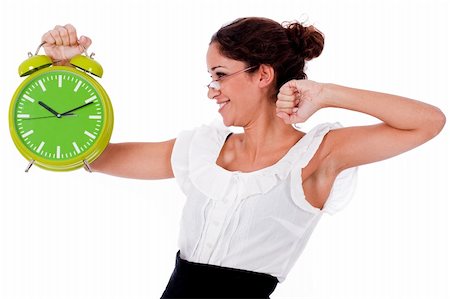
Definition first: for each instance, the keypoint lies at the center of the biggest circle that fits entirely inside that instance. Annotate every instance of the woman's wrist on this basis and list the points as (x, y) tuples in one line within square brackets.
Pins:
[(328, 95), (62, 62)]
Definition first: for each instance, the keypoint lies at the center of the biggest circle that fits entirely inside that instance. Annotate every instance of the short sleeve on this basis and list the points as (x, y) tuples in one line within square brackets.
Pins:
[(342, 192), (340, 195), (180, 160), (343, 186)]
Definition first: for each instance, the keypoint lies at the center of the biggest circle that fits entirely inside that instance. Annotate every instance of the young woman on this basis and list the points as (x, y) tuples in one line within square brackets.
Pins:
[(253, 199)]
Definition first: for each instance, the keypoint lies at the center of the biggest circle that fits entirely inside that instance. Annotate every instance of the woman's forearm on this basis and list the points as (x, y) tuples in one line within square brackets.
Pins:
[(136, 160), (396, 111)]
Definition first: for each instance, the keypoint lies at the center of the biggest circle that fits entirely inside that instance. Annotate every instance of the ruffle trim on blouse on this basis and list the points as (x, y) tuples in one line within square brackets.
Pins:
[(196, 152), (219, 183)]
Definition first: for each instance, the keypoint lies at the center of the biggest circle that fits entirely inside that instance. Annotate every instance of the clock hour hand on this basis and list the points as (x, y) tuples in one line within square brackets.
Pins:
[(79, 107), (49, 109)]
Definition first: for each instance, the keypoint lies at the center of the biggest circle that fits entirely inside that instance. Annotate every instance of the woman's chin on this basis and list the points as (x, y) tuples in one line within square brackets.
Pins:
[(227, 122)]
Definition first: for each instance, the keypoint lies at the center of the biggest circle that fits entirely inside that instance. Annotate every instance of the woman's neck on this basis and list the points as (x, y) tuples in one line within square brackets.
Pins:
[(267, 134)]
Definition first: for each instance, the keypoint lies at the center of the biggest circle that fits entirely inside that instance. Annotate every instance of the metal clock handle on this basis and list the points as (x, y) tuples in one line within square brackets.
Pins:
[(86, 53), (37, 50), (43, 43)]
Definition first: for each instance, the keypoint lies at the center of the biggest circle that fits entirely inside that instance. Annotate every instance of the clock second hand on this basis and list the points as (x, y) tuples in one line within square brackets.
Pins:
[(41, 117)]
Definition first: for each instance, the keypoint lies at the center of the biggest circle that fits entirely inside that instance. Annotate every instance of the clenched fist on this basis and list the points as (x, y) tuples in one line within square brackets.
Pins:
[(62, 43), (298, 100)]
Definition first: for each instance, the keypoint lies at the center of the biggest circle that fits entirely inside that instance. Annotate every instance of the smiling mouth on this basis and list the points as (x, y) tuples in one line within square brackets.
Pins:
[(221, 105)]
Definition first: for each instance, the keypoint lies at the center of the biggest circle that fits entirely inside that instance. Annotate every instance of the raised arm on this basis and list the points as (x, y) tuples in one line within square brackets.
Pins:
[(406, 123)]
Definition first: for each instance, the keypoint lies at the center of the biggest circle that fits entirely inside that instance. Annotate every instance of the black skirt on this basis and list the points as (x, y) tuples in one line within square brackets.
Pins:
[(194, 280)]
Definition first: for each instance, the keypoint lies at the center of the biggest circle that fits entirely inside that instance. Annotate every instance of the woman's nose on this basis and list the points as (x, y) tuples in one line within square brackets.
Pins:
[(212, 93)]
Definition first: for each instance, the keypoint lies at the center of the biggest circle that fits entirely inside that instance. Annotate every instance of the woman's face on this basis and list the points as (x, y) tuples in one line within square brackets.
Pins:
[(238, 93)]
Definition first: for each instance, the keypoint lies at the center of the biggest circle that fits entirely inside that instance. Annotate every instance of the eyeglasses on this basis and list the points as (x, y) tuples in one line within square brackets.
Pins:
[(215, 84)]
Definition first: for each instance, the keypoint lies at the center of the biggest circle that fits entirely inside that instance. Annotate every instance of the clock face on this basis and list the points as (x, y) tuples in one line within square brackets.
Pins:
[(59, 115)]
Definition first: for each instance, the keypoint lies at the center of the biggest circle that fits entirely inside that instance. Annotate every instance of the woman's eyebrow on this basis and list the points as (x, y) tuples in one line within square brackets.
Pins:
[(215, 67)]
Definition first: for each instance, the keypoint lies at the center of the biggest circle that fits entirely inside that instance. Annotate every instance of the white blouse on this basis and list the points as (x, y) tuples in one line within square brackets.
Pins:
[(257, 221)]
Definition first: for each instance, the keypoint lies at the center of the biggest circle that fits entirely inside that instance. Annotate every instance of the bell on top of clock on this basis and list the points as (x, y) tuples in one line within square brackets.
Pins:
[(36, 62)]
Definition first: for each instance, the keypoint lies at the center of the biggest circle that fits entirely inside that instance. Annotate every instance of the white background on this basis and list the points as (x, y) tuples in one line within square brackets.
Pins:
[(80, 235)]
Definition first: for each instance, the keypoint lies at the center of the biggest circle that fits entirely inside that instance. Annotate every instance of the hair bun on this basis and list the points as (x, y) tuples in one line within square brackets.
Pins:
[(306, 40)]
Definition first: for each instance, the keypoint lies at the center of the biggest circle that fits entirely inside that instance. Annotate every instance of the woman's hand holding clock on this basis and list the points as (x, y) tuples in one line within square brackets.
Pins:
[(62, 43)]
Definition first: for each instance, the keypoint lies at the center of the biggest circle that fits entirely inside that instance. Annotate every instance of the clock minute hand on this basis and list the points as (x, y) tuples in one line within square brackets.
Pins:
[(49, 109), (79, 107)]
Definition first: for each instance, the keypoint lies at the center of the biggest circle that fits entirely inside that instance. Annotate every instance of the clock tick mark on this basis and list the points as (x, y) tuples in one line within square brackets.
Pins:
[(28, 98), (91, 99), (78, 86), (77, 149), (28, 133), (40, 147), (42, 85), (89, 134)]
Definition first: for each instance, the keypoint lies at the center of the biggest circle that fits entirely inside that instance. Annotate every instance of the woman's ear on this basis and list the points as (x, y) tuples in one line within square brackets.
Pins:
[(267, 75)]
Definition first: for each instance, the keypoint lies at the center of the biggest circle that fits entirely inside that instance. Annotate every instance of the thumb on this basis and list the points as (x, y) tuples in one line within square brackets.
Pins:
[(85, 42), (293, 85), (289, 88), (284, 116)]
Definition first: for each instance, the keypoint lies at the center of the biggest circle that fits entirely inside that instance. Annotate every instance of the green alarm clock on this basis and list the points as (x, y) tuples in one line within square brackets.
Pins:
[(60, 117)]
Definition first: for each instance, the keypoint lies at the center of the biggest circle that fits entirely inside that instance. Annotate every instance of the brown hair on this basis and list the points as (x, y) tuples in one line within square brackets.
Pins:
[(257, 41)]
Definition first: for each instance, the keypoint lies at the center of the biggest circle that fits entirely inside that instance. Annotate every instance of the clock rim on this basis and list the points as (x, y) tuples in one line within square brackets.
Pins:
[(89, 155)]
